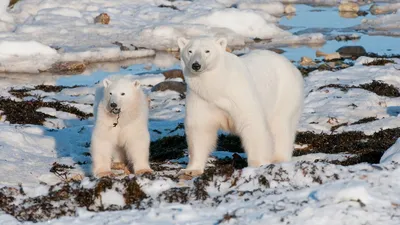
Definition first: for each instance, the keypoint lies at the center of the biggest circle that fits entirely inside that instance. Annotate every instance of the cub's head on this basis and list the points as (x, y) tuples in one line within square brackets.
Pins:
[(120, 94), (201, 54)]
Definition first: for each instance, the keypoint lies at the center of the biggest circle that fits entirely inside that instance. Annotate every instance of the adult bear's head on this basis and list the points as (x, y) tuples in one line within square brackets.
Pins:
[(201, 54)]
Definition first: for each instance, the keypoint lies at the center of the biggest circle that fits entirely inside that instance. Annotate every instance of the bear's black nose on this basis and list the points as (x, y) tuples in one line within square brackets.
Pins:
[(113, 105), (196, 66)]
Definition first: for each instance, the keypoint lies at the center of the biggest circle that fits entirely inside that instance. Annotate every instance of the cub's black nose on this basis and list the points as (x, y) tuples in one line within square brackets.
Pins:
[(196, 66), (113, 105)]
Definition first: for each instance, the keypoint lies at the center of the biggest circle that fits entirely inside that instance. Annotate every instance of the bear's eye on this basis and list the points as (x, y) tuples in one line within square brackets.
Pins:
[(122, 93), (190, 51), (110, 93), (207, 51)]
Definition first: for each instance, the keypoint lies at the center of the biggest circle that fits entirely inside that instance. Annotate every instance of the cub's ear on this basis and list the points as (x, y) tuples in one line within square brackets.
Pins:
[(136, 83), (223, 42), (106, 82), (182, 42)]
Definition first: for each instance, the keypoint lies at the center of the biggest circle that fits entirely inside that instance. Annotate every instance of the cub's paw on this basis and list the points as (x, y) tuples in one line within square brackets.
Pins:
[(280, 159), (118, 166), (188, 174), (121, 166), (105, 174), (143, 171)]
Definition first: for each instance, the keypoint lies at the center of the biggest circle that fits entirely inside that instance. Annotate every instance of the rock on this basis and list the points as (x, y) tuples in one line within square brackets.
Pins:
[(383, 9), (307, 61), (347, 37), (277, 50), (171, 74), (328, 56), (348, 15), (332, 56), (375, 10), (362, 13), (103, 18), (177, 56), (349, 51), (179, 87), (289, 9), (73, 67), (349, 7), (122, 47)]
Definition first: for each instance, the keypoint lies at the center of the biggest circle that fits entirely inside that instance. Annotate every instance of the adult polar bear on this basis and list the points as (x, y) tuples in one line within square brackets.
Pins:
[(258, 96)]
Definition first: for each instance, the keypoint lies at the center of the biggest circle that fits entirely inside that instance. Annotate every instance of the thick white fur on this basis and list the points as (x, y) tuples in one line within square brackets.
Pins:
[(130, 139), (258, 96)]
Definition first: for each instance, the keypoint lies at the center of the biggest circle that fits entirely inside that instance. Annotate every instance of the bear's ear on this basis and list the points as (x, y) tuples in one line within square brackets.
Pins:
[(136, 83), (182, 42), (223, 43), (106, 82)]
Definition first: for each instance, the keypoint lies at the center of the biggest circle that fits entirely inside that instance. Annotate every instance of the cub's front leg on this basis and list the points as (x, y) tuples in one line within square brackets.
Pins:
[(101, 150), (137, 149)]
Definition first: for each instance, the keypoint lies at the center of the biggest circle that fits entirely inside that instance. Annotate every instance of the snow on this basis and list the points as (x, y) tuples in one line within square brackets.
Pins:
[(308, 190), (245, 23), (351, 105)]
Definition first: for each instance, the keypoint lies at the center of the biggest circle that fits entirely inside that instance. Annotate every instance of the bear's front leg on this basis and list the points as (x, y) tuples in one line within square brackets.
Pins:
[(101, 151), (137, 150), (256, 138), (201, 127)]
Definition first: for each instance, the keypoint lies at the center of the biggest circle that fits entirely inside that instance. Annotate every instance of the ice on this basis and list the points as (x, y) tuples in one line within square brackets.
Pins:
[(26, 56), (272, 8), (384, 24), (392, 154)]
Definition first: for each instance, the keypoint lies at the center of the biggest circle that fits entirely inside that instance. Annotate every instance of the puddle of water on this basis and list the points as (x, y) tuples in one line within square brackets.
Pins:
[(329, 21), (375, 44), (152, 65), (321, 17)]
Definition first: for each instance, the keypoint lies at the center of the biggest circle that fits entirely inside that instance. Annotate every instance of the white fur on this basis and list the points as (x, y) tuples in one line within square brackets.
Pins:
[(258, 96), (130, 138)]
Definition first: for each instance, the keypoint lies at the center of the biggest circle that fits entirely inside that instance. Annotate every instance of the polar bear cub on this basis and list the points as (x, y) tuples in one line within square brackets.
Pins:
[(258, 96), (121, 126)]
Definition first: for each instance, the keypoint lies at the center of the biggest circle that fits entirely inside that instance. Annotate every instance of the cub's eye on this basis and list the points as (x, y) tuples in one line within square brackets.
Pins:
[(110, 93), (207, 51), (190, 51), (122, 93)]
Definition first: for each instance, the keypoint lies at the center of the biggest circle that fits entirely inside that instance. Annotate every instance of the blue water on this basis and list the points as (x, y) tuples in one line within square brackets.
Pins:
[(329, 20)]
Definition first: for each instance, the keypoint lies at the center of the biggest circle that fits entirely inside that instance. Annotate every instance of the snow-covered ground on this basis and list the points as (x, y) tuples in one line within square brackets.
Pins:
[(46, 118)]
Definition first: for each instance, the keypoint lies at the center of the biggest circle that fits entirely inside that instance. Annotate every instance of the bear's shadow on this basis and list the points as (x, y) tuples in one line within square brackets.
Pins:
[(73, 142)]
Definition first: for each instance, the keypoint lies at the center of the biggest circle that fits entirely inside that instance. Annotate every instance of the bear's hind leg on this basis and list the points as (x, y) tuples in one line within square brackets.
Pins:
[(255, 135), (284, 131)]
